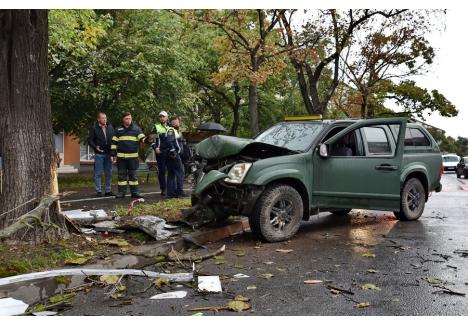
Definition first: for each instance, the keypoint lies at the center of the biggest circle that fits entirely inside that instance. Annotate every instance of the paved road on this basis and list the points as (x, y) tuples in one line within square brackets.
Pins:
[(409, 256)]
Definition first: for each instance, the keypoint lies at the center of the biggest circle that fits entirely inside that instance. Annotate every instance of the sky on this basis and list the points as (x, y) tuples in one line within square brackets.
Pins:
[(449, 72)]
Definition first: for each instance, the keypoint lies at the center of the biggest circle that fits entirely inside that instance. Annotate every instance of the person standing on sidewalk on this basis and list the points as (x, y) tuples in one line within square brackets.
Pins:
[(177, 164), (125, 145), (100, 139), (161, 148)]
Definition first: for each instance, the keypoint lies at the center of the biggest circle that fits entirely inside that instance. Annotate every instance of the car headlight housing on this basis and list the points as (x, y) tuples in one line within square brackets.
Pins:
[(238, 172)]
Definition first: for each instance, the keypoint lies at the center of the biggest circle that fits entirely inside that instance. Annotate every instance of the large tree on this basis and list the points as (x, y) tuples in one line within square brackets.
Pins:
[(26, 139)]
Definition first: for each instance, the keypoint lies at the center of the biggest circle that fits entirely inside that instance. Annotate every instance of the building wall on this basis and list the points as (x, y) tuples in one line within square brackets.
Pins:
[(71, 150)]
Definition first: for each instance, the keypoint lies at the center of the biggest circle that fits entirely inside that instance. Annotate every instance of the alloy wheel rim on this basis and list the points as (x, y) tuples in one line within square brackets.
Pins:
[(413, 199), (281, 214)]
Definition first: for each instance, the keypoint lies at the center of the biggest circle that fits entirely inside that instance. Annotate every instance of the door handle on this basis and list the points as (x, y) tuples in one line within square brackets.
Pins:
[(386, 167)]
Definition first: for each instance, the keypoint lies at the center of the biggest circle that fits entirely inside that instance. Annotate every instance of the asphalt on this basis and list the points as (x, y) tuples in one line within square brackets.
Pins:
[(413, 262)]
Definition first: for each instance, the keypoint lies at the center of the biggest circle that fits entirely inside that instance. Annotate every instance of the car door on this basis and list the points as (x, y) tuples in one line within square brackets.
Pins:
[(367, 179)]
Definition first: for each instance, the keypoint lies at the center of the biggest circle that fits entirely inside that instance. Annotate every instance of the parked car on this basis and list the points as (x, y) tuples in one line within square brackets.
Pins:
[(295, 169), (450, 162), (462, 167)]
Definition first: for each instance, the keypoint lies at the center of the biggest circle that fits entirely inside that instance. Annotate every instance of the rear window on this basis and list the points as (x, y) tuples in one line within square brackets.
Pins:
[(413, 136), (450, 158)]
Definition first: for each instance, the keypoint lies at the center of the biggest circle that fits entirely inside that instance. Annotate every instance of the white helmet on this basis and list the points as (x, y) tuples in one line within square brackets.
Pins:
[(164, 113)]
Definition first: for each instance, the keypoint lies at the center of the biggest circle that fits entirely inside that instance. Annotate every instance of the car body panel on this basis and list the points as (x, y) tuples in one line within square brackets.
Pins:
[(208, 179)]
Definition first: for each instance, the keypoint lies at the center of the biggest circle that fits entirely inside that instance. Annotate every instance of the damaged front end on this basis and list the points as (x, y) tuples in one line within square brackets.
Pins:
[(222, 164)]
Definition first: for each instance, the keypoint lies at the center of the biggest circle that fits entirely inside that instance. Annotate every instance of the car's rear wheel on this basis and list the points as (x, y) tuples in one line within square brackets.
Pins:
[(340, 211), (277, 214), (413, 200)]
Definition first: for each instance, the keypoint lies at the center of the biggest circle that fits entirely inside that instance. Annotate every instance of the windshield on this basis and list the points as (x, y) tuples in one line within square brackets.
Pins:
[(295, 136)]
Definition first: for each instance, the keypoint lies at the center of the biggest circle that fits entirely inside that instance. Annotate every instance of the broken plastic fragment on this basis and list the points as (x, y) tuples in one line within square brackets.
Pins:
[(209, 284), (12, 307), (240, 275), (170, 295)]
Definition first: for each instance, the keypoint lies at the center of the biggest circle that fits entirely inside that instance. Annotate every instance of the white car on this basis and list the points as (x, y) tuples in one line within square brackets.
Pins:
[(450, 162)]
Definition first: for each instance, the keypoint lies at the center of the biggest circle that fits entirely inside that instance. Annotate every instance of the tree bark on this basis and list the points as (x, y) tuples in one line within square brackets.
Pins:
[(26, 136), (236, 110), (253, 97)]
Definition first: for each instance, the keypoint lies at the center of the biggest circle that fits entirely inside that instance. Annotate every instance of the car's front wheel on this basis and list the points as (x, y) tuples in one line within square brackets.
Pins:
[(413, 200), (277, 214)]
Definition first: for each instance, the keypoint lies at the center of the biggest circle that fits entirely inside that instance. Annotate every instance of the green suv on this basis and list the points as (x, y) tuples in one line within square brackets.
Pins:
[(295, 169)]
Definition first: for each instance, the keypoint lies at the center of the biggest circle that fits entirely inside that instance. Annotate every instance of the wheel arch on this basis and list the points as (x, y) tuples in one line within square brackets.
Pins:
[(421, 176)]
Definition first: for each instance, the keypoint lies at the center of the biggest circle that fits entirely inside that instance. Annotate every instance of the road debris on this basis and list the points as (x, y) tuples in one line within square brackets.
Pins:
[(44, 313), (170, 295), (368, 255), (463, 253), (133, 203), (87, 217), (154, 226), (12, 307), (335, 289), (362, 305), (313, 281), (240, 275), (209, 284), (446, 290), (215, 254), (370, 286), (284, 251), (116, 242), (176, 277)]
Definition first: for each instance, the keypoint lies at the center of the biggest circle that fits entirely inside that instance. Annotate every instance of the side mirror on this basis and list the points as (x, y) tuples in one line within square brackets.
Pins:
[(323, 150)]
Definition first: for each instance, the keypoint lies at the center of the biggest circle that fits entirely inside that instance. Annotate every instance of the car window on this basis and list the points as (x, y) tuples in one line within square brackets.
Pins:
[(348, 145), (419, 139), (377, 141), (294, 136), (450, 158)]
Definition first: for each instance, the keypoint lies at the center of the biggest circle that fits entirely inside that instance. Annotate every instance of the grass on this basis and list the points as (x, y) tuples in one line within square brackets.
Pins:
[(169, 209), (80, 181), (19, 260)]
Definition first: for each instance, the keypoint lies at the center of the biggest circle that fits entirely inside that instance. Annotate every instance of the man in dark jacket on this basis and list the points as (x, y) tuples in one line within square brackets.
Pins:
[(125, 144), (100, 139)]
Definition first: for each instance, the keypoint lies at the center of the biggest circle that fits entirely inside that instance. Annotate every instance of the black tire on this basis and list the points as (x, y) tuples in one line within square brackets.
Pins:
[(412, 201), (277, 214), (340, 211)]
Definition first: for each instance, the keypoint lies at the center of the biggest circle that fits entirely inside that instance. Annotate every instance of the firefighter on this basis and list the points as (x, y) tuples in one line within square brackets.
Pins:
[(161, 148), (125, 144)]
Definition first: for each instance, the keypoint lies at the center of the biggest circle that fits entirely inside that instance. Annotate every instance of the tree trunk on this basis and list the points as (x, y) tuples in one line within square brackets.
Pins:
[(236, 110), (253, 97), (364, 106), (26, 137)]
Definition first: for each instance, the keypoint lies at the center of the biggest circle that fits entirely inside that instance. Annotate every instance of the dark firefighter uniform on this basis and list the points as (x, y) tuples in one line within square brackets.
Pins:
[(175, 174), (160, 130), (125, 144)]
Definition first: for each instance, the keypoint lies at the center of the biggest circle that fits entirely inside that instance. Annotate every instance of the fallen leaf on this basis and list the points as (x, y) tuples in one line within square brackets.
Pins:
[(109, 279), (251, 287), (121, 288), (434, 281), (238, 306), (372, 271), (240, 254), (333, 291), (285, 251), (115, 242), (76, 260), (370, 286), (238, 266), (241, 298), (267, 275), (268, 262), (62, 297), (362, 305), (312, 281), (117, 295), (160, 282), (368, 254), (281, 269)]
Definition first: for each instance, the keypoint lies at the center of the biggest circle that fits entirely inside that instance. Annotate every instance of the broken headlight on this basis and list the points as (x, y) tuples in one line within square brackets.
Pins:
[(238, 172)]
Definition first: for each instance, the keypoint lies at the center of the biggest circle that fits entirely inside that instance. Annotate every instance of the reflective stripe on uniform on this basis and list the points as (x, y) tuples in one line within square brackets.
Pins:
[(127, 155), (115, 138), (133, 183), (160, 129), (177, 133), (134, 138), (140, 136), (113, 146), (122, 183)]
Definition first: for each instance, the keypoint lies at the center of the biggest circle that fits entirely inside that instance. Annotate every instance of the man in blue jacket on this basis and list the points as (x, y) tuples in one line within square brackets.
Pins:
[(100, 139)]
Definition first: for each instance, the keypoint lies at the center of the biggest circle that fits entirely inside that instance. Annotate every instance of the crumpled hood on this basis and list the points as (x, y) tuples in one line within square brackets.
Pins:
[(220, 146)]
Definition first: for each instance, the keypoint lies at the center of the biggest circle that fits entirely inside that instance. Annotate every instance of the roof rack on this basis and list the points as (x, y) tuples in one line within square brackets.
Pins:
[(303, 117)]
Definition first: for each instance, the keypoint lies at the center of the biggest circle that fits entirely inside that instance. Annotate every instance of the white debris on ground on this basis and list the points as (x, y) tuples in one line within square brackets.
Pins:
[(154, 226), (170, 295), (209, 284), (12, 307)]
